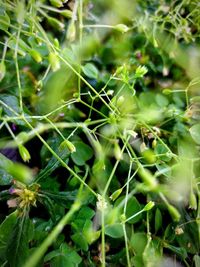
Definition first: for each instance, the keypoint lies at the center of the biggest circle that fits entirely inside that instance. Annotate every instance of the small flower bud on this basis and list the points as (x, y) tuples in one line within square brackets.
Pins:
[(193, 201), (101, 203), (115, 195), (149, 206), (174, 213), (56, 3), (24, 153), (56, 23), (54, 61), (2, 70), (71, 31), (35, 55), (66, 13), (69, 145), (121, 28), (141, 71)]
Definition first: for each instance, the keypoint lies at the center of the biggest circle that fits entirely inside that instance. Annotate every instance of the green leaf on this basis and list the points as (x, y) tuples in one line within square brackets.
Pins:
[(80, 241), (195, 133), (133, 207), (114, 230), (85, 213), (82, 154), (138, 242), (64, 256), (161, 100), (158, 220), (18, 242), (163, 169), (47, 202), (162, 153), (54, 163), (6, 228), (137, 261), (181, 252), (90, 71)]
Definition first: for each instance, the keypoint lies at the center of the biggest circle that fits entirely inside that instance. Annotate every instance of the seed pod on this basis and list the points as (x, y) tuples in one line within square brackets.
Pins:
[(54, 61), (148, 178), (69, 145), (66, 13), (56, 3), (121, 28), (71, 31), (117, 151), (24, 153), (167, 91), (174, 213), (35, 55), (2, 70), (149, 206), (115, 195), (193, 201), (55, 23), (56, 43)]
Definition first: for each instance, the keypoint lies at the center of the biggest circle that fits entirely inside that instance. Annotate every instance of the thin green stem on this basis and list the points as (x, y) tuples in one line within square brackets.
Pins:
[(80, 43), (126, 246), (61, 161), (103, 248), (17, 70)]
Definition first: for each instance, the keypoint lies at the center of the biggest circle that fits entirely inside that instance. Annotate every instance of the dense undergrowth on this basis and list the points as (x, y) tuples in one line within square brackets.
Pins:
[(100, 133)]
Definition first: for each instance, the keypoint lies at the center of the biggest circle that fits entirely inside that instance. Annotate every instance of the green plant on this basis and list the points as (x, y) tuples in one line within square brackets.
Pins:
[(102, 121)]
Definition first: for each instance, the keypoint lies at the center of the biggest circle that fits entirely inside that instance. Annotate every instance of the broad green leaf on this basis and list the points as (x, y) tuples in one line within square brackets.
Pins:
[(138, 242), (163, 169), (89, 233), (18, 242), (54, 163), (151, 254), (162, 100), (90, 71), (195, 133), (6, 229), (114, 230), (62, 198), (137, 261), (47, 202), (133, 207), (181, 252), (82, 154), (85, 213), (80, 241), (65, 256), (162, 153)]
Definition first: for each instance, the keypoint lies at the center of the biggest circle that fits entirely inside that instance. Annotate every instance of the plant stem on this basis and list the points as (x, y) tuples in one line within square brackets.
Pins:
[(40, 251)]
